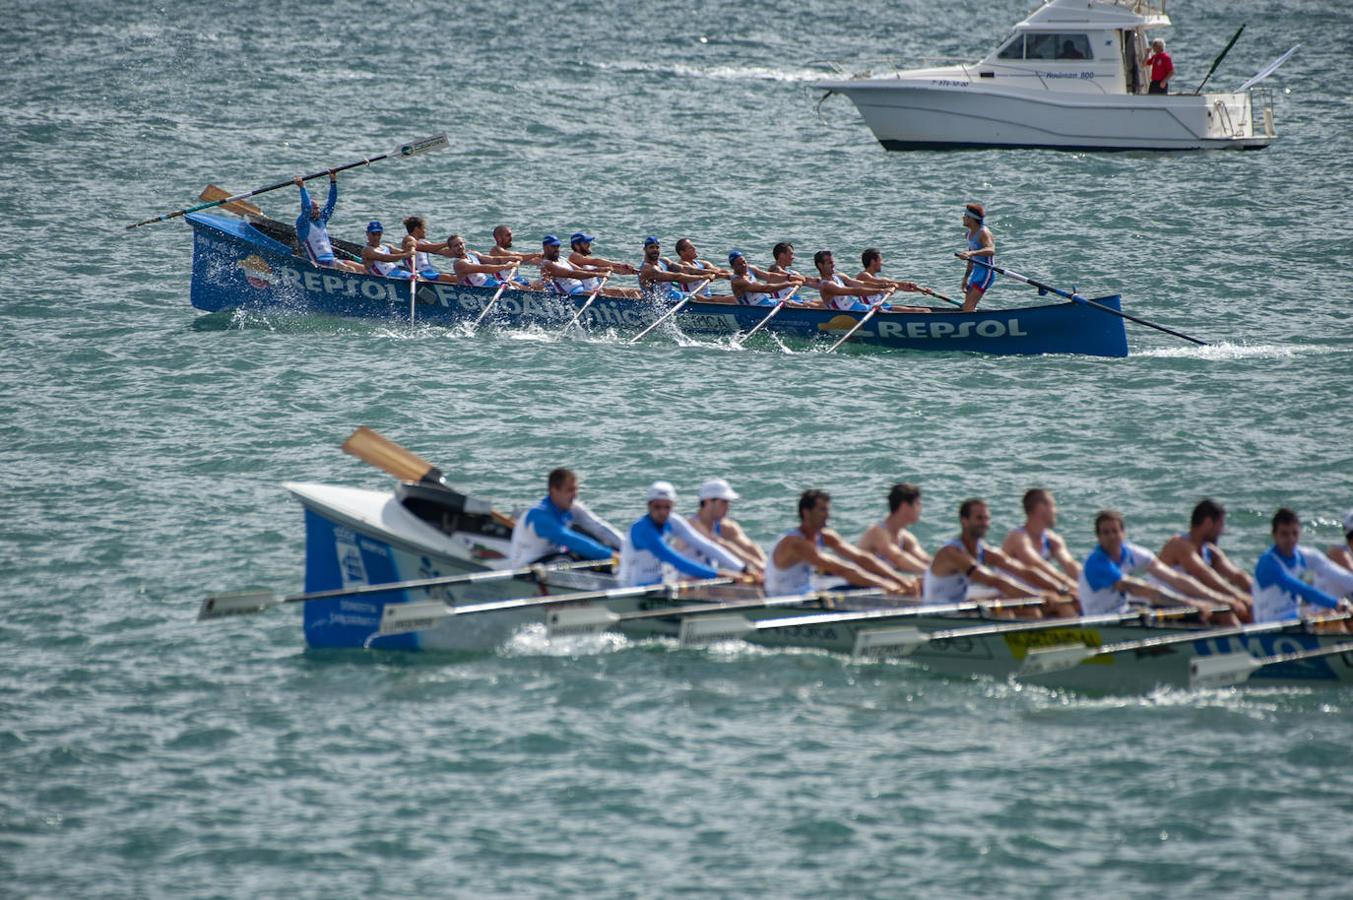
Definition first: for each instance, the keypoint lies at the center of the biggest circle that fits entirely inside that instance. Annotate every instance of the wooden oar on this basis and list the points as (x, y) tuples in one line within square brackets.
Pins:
[(412, 148), (738, 341), (376, 449), (1227, 669), (402, 618), (860, 324), (238, 207), (494, 299), (1056, 659), (1077, 298), (227, 604), (671, 312), (582, 309)]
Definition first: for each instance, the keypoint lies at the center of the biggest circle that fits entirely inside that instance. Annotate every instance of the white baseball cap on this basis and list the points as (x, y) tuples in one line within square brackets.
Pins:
[(717, 489), (1348, 521), (661, 490)]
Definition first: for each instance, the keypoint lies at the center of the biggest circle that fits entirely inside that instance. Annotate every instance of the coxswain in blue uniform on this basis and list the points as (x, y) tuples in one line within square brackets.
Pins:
[(841, 293), (688, 260), (813, 547), (1291, 580), (889, 539), (648, 556), (1107, 577), (967, 560), (981, 253), (382, 259), (312, 228), (1036, 545), (561, 524), (657, 281), (581, 257), (416, 239), (478, 270), (1196, 554), (872, 261), (757, 287)]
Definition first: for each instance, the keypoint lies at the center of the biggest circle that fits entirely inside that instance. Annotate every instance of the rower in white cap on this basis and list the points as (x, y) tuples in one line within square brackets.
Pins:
[(647, 556), (712, 521)]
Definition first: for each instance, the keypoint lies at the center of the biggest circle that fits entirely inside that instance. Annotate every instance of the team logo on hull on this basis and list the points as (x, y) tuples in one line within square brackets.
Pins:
[(257, 272)]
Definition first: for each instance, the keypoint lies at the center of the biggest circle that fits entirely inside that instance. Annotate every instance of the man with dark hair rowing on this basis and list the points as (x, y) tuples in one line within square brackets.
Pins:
[(804, 550), (1196, 554), (967, 560), (889, 539), (560, 523), (1283, 577)]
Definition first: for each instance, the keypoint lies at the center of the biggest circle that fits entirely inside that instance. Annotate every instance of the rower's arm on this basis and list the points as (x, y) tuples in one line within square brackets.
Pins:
[(369, 253), (867, 561), (1231, 572), (552, 530), (880, 545), (733, 533), (595, 525), (1186, 584), (333, 200), (850, 572), (1200, 571), (649, 539), (711, 549), (1064, 558), (1039, 576), (1331, 571), (1269, 573), (463, 267)]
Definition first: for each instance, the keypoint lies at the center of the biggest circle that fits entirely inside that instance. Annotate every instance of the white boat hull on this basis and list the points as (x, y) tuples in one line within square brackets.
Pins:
[(909, 114)]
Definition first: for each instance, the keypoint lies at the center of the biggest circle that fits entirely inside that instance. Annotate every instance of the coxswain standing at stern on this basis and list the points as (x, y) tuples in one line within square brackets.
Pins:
[(312, 228), (981, 253), (803, 550)]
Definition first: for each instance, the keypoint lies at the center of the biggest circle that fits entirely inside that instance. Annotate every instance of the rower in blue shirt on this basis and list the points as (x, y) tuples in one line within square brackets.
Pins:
[(647, 555), (312, 228), (1283, 576), (560, 523)]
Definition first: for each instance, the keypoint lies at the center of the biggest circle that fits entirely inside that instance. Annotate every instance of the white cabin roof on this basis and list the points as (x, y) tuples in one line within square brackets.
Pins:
[(1060, 15)]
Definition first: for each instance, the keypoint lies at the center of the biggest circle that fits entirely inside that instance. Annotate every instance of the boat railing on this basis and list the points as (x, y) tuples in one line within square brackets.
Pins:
[(1261, 105), (1142, 7)]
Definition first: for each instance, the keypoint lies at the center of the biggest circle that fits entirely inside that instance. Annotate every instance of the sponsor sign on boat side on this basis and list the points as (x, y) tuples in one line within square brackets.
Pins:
[(1021, 642)]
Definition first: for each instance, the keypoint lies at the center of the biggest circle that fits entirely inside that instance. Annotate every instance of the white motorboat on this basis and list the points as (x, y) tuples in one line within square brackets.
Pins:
[(1070, 77)]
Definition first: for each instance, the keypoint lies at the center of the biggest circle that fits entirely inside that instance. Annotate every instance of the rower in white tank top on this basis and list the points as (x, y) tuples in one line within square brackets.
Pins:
[(950, 588), (796, 579)]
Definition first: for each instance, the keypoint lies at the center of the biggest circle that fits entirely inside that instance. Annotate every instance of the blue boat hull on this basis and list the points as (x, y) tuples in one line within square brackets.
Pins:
[(237, 266)]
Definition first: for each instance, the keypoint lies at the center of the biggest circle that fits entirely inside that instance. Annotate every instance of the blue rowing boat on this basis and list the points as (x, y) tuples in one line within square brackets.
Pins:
[(251, 265)]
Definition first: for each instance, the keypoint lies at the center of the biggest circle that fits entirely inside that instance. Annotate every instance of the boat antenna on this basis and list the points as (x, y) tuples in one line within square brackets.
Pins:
[(1220, 56)]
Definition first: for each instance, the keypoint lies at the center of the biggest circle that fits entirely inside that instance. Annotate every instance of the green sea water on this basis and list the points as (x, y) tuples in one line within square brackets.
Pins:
[(143, 451)]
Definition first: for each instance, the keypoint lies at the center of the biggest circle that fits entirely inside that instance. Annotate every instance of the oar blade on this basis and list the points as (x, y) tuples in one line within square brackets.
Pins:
[(377, 450), (1222, 670), (576, 621), (235, 603), (710, 629), (423, 145), (1055, 659), (404, 618), (877, 643)]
